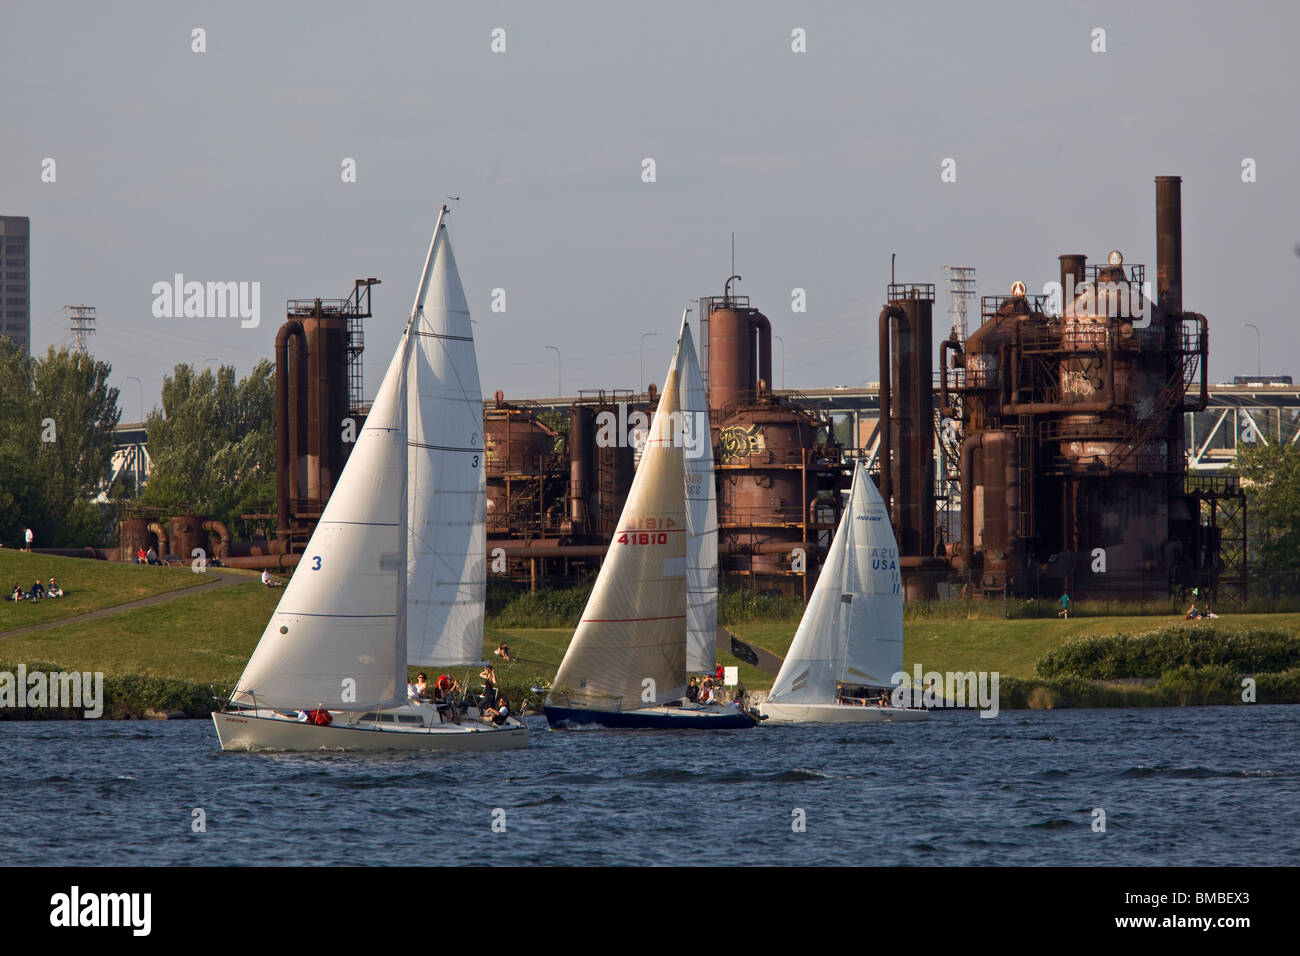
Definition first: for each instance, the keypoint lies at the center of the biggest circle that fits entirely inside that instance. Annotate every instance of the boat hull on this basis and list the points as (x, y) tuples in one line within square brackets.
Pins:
[(838, 714), (243, 731), (649, 718)]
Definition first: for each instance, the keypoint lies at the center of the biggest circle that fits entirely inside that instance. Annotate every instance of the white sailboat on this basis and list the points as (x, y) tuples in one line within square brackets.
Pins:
[(395, 572), (850, 638), (626, 665)]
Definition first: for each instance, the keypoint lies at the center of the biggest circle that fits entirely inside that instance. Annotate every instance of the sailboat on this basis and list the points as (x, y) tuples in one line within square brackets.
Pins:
[(626, 665), (395, 571), (850, 639)]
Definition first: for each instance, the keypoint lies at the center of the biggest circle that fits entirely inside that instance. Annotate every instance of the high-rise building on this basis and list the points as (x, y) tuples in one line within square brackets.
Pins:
[(16, 280)]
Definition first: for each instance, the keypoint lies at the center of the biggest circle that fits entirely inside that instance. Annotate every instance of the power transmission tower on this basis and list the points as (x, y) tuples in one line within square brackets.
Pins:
[(82, 319), (961, 286)]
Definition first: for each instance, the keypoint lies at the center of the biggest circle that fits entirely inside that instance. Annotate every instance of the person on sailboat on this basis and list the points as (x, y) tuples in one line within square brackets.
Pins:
[(422, 686), (489, 686), (693, 690), (500, 713)]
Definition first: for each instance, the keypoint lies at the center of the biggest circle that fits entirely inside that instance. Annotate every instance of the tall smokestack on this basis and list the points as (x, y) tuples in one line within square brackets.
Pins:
[(1072, 264), (1169, 243)]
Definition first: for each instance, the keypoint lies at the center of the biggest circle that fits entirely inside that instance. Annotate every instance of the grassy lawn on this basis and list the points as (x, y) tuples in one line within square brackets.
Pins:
[(88, 585), (209, 637), (994, 644), (203, 638)]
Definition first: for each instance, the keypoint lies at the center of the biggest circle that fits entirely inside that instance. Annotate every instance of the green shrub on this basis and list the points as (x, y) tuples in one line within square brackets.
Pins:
[(1245, 651), (547, 607)]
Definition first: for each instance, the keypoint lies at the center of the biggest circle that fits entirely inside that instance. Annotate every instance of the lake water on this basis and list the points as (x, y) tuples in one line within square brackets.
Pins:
[(1213, 785)]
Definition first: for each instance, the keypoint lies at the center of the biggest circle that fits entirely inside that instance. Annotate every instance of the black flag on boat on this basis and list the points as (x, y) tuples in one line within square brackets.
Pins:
[(742, 651)]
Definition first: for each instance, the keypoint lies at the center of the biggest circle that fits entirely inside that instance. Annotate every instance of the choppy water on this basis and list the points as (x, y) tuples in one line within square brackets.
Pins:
[(1187, 786)]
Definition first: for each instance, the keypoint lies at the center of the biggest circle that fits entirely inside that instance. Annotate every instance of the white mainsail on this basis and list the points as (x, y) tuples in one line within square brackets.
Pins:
[(701, 509), (447, 490), (852, 629), (629, 650), (337, 636)]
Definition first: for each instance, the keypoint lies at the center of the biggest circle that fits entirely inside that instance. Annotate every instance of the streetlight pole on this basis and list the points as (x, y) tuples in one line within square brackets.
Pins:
[(644, 336), (1259, 349), (559, 381), (782, 341), (132, 378)]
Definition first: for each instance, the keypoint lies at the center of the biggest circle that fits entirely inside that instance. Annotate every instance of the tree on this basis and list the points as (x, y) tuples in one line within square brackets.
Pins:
[(57, 416), (212, 443), (1270, 476)]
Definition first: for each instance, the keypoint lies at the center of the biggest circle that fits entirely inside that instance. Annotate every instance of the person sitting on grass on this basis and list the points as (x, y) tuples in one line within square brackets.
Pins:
[(141, 557), (268, 580), (53, 590), (38, 590), (503, 652), (16, 594), (151, 557)]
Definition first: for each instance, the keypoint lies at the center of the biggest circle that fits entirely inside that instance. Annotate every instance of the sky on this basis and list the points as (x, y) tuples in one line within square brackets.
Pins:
[(229, 165)]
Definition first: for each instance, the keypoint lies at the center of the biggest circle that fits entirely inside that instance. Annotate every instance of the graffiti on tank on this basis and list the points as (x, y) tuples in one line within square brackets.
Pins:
[(737, 441)]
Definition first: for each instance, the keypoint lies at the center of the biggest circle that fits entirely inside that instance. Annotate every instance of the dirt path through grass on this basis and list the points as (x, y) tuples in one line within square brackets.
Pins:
[(217, 579)]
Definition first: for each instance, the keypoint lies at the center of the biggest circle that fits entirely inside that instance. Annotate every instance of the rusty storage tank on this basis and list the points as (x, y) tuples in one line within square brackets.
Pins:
[(778, 467), (739, 351), (187, 535), (312, 407), (1073, 458), (765, 498), (1001, 386), (526, 477), (133, 535), (907, 437)]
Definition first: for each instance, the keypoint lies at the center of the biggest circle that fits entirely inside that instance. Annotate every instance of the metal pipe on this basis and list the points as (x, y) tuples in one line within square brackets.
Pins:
[(946, 408), (157, 529), (1205, 358), (886, 458), (1072, 268), (223, 536), (759, 326), (1050, 408), (263, 561), (1169, 243), (288, 465), (88, 552), (966, 477)]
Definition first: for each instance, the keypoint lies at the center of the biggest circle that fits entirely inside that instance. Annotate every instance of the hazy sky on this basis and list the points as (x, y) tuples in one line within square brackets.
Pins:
[(226, 166)]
